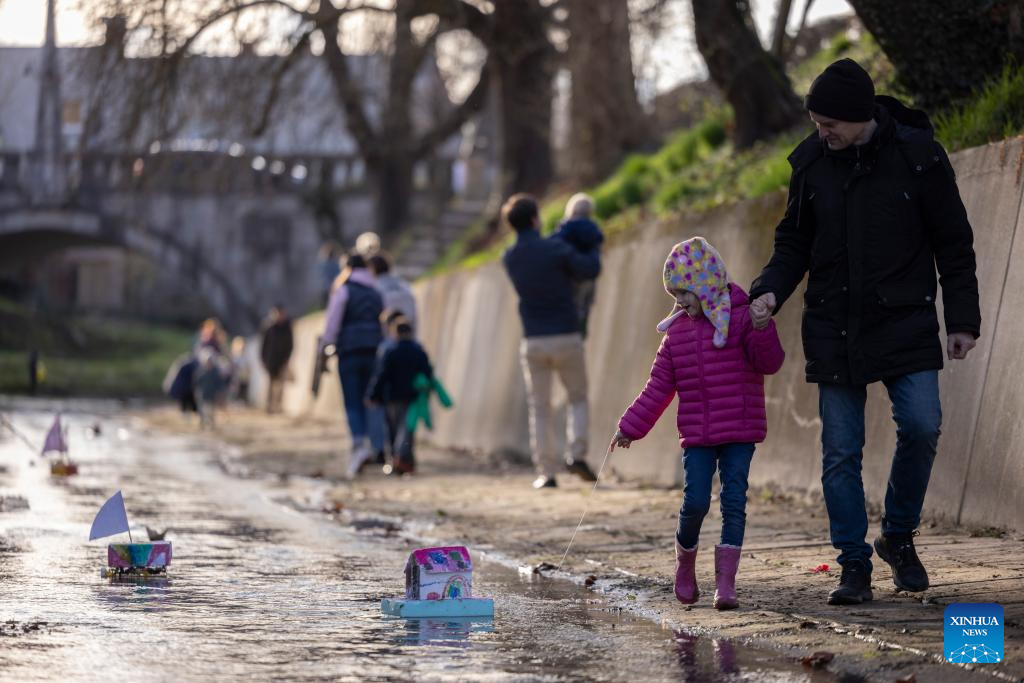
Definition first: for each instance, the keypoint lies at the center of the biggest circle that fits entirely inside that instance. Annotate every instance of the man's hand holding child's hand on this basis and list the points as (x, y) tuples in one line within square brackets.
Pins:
[(761, 310), (620, 440)]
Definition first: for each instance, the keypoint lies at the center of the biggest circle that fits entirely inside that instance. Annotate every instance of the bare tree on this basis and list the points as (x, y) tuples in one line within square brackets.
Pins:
[(753, 81), (944, 49), (521, 64), (606, 118), (381, 122)]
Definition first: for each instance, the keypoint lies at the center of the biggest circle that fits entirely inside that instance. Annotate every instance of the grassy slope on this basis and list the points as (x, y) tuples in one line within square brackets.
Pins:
[(86, 356), (698, 168)]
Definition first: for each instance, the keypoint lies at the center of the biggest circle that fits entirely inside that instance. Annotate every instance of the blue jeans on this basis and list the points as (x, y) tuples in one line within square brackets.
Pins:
[(699, 463), (355, 370), (918, 416), (377, 425)]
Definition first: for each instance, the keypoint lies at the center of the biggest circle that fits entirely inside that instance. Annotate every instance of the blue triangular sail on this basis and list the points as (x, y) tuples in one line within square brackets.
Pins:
[(111, 519)]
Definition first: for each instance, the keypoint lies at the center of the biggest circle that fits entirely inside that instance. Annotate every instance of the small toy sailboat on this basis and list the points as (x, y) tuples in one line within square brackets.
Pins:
[(127, 559), (439, 583), (57, 442)]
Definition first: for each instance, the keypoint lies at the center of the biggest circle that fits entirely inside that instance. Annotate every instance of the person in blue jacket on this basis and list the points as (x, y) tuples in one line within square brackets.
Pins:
[(542, 271)]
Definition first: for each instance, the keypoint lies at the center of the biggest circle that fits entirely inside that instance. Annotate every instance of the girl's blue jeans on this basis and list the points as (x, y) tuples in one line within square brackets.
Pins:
[(732, 460)]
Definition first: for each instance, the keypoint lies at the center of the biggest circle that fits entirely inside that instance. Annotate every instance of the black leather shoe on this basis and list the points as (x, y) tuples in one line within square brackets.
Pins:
[(545, 483), (581, 469), (898, 551), (854, 586)]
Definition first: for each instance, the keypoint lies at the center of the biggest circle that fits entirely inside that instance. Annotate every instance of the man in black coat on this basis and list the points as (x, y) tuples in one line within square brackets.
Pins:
[(873, 209), (275, 352)]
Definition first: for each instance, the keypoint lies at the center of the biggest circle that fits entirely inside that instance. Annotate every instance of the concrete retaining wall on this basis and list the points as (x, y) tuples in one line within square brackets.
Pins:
[(472, 331)]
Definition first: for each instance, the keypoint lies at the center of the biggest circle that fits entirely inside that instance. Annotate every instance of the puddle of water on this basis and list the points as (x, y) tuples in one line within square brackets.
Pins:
[(259, 591)]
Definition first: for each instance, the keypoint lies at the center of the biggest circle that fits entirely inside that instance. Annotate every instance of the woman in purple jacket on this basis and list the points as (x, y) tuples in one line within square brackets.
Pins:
[(715, 360)]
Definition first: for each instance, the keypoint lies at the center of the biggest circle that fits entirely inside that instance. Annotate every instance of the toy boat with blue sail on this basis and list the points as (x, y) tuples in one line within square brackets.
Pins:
[(136, 560)]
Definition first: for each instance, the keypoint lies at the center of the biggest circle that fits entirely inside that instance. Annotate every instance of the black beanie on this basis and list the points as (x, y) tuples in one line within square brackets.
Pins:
[(843, 91)]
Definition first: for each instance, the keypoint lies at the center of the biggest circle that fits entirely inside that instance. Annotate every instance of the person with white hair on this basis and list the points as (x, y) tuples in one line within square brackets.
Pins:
[(580, 231)]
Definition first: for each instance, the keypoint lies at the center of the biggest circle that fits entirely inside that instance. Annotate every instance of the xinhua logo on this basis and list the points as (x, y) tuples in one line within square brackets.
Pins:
[(973, 633)]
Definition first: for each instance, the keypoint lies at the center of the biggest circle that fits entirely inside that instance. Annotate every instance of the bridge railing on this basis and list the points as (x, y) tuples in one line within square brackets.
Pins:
[(197, 172)]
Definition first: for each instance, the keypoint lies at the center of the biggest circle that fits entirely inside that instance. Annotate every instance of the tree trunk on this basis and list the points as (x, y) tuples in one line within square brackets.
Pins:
[(391, 178), (391, 163), (606, 120), (779, 32), (944, 49), (752, 80), (524, 67)]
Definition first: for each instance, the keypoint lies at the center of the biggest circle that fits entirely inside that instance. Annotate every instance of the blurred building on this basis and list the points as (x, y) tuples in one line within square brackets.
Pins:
[(117, 197)]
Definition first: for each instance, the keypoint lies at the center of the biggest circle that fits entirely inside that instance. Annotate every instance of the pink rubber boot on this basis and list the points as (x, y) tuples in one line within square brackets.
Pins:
[(727, 560), (686, 577)]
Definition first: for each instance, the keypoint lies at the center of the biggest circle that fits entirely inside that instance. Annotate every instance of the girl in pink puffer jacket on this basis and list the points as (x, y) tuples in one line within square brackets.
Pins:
[(715, 360)]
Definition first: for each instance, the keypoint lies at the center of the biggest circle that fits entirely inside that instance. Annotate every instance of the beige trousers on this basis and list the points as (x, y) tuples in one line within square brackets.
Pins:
[(275, 393), (542, 359)]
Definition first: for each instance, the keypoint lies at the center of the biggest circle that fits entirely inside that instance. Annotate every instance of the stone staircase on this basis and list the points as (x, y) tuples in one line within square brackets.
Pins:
[(427, 242)]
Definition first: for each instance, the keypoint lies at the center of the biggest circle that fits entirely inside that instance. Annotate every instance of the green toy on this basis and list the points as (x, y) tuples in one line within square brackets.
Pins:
[(419, 410)]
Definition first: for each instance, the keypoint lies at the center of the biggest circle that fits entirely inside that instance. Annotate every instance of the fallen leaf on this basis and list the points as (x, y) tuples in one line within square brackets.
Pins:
[(820, 568), (818, 659)]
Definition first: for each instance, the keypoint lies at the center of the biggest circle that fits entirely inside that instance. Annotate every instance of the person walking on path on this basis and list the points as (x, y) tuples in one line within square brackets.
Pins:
[(397, 293), (394, 388), (580, 231), (714, 359), (398, 301), (873, 209), (275, 352), (353, 326), (542, 272), (328, 268)]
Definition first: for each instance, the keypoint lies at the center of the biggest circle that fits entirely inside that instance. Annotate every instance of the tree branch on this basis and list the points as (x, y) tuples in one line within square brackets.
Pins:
[(276, 79), (356, 120), (228, 11), (459, 14), (458, 116)]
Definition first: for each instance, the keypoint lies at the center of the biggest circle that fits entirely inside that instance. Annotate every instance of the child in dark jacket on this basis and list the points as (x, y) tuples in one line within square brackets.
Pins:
[(393, 386), (580, 231)]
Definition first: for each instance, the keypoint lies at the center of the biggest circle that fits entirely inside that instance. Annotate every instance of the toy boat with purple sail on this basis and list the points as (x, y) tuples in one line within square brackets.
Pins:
[(137, 560), (439, 583), (57, 442)]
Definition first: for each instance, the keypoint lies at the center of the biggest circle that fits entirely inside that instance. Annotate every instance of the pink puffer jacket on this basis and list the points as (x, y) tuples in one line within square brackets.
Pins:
[(721, 391)]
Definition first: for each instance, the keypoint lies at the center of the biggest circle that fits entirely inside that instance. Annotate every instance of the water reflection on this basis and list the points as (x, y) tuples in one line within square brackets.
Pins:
[(147, 594), (447, 632), (701, 659)]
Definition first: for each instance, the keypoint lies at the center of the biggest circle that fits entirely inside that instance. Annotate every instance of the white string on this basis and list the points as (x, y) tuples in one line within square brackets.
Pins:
[(17, 433), (586, 508)]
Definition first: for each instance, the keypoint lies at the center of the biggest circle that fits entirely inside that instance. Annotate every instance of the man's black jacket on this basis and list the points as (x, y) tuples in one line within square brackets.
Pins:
[(871, 223)]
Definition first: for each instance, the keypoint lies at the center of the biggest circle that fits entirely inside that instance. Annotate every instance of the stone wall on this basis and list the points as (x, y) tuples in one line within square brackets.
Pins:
[(472, 331)]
